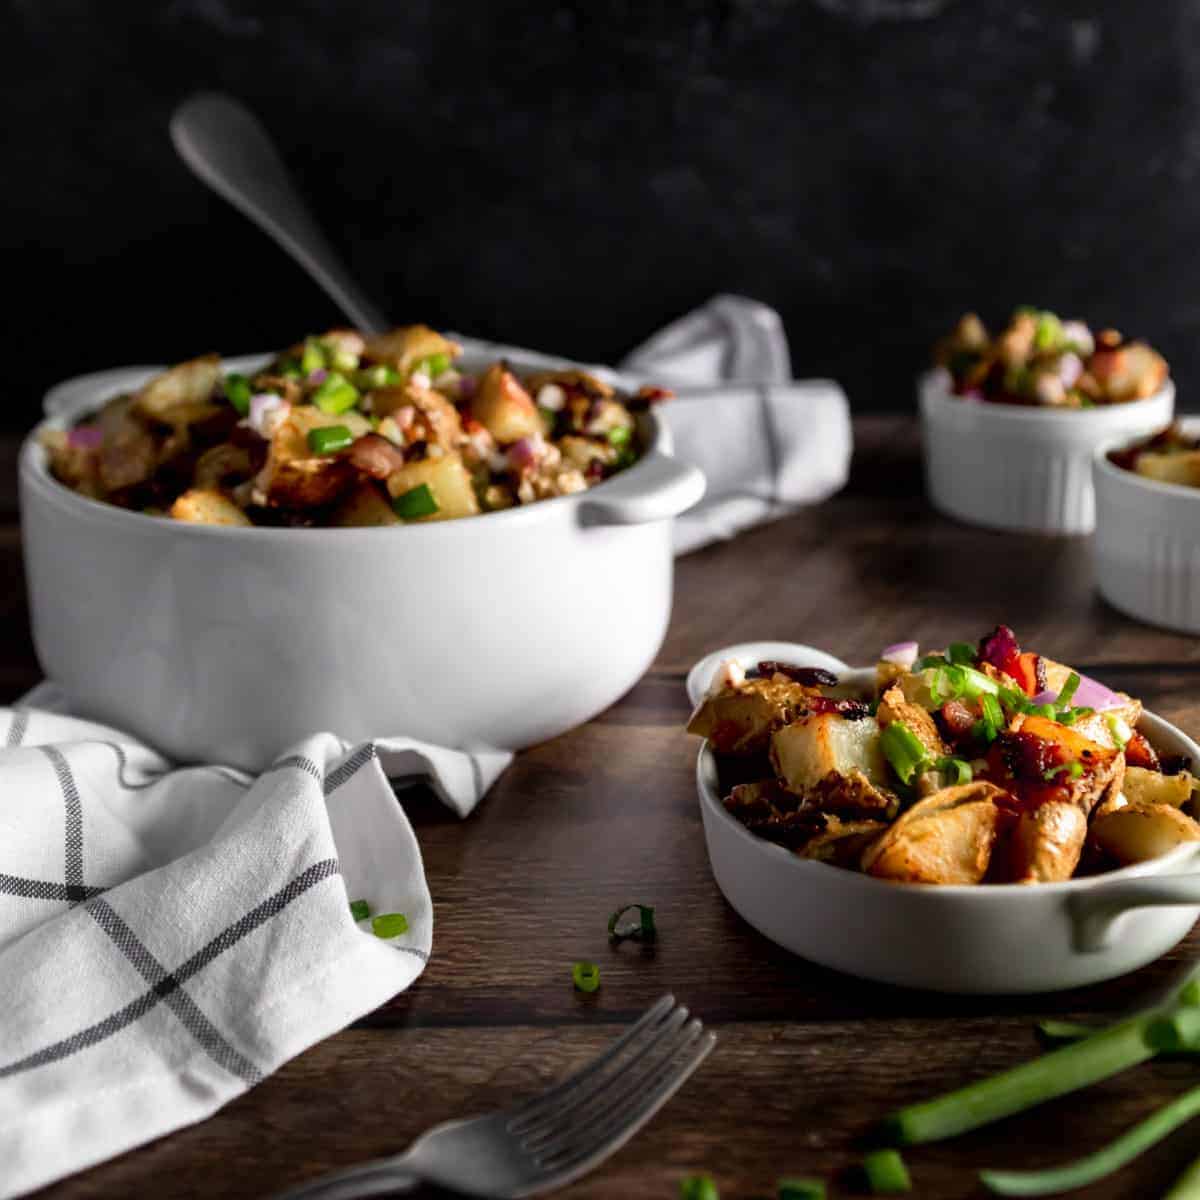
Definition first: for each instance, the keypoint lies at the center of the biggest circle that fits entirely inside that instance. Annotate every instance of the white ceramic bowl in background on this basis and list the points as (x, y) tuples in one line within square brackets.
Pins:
[(229, 644), (992, 939), (1147, 546), (1008, 466)]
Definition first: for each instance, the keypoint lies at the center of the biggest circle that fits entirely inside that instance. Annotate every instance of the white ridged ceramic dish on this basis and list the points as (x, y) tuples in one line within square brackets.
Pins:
[(992, 939), (229, 644), (1007, 466), (1147, 547)]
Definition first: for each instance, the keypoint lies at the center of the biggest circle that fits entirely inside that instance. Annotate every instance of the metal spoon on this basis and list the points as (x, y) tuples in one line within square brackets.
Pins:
[(226, 147)]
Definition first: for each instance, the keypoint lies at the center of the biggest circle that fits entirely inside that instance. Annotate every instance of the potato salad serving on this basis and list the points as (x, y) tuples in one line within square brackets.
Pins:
[(345, 429), (1038, 359), (1170, 456), (978, 764)]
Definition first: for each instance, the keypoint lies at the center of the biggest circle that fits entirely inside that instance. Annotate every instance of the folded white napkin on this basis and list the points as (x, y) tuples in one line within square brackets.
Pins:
[(767, 444), (169, 936)]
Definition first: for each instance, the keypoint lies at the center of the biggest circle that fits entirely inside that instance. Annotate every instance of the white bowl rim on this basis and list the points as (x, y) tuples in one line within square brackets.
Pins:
[(980, 893), (932, 392), (33, 469), (1104, 466)]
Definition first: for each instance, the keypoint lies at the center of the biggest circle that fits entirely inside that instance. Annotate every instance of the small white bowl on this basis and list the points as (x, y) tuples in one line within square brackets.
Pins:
[(1147, 550), (994, 939), (1009, 466)]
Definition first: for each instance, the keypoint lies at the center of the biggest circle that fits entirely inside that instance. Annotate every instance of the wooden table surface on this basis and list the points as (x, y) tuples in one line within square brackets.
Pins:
[(807, 1059)]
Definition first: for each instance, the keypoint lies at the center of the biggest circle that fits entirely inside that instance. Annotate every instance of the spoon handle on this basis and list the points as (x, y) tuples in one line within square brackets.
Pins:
[(227, 148)]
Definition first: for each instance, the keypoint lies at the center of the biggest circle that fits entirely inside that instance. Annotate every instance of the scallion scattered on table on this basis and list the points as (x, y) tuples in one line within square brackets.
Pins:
[(360, 910), (416, 502), (886, 1173), (329, 439), (801, 1189), (1064, 1031), (1102, 1162), (389, 925), (1187, 1186), (698, 1187), (586, 976), (642, 930)]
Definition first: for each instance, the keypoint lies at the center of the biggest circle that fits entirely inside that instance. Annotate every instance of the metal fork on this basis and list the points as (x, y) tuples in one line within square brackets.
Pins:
[(548, 1141)]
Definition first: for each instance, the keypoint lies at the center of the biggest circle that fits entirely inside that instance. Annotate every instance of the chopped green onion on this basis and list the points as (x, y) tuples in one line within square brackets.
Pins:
[(903, 749), (626, 457), (1064, 1031), (961, 653), (957, 767), (801, 1189), (698, 1187), (549, 416), (1073, 771), (336, 394), (378, 376), (946, 683), (1102, 1162), (993, 714), (416, 502), (930, 661), (1190, 993), (1187, 1186), (1049, 331), (360, 910), (620, 436), (1046, 710), (976, 683), (1064, 1070), (339, 359), (1117, 728), (313, 358), (237, 392), (886, 1172), (1176, 1032), (1068, 690), (1014, 701), (434, 365), (586, 976), (389, 925), (643, 931), (329, 439)]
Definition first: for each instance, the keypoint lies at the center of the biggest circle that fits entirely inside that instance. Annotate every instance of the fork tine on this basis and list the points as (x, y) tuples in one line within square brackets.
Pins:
[(652, 1050), (583, 1158), (537, 1104), (587, 1127)]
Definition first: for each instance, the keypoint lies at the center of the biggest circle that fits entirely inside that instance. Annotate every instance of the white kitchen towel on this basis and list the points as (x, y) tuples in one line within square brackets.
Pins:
[(767, 444), (170, 936)]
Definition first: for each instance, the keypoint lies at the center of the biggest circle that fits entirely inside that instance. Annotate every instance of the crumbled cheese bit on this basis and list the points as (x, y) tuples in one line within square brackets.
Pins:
[(550, 396)]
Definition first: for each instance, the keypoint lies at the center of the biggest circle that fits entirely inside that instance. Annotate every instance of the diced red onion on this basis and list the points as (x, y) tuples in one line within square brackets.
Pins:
[(901, 654), (1089, 694), (525, 453), (316, 376), (466, 386), (262, 407), (85, 437), (1070, 367)]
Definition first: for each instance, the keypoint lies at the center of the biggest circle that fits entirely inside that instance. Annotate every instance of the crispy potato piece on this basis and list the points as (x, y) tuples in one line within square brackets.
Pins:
[(365, 506), (945, 838), (1141, 831), (841, 842), (1047, 842), (406, 346), (741, 717), (1151, 787), (427, 415), (448, 480), (570, 379), (503, 407), (1129, 372), (208, 507), (188, 383), (894, 707), (852, 792), (222, 464), (1176, 466), (805, 752), (295, 477)]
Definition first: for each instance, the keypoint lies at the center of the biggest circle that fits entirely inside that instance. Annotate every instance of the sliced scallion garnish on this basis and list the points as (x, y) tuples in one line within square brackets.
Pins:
[(360, 910), (903, 750), (586, 976), (237, 392), (416, 502), (642, 931), (1117, 728), (698, 1187), (620, 436), (886, 1172), (313, 358), (1068, 690), (801, 1189), (335, 394), (959, 770), (961, 654), (329, 439), (389, 925), (993, 714)]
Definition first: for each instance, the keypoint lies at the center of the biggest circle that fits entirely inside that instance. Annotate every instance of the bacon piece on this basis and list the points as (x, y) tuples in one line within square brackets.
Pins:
[(1139, 753), (375, 456)]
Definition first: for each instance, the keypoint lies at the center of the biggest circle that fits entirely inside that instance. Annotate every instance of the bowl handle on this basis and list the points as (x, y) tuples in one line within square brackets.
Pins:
[(1096, 911), (659, 487)]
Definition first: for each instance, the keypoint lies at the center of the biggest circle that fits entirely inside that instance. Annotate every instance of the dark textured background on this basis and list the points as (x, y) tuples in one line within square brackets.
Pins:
[(569, 176)]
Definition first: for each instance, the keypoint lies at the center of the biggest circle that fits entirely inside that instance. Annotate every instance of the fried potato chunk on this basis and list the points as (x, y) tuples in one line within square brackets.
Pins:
[(1152, 787), (447, 479), (365, 506), (945, 838), (1048, 841), (206, 507), (810, 749), (406, 346), (296, 477), (1176, 466), (503, 407), (740, 718), (841, 842), (893, 706), (1141, 831), (189, 383)]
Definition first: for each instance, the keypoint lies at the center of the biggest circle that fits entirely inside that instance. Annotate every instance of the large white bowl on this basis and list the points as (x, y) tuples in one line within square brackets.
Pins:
[(1147, 548), (992, 939), (221, 643), (1009, 466)]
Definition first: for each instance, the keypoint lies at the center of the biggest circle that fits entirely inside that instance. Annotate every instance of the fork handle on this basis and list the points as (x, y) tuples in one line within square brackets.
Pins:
[(382, 1177)]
